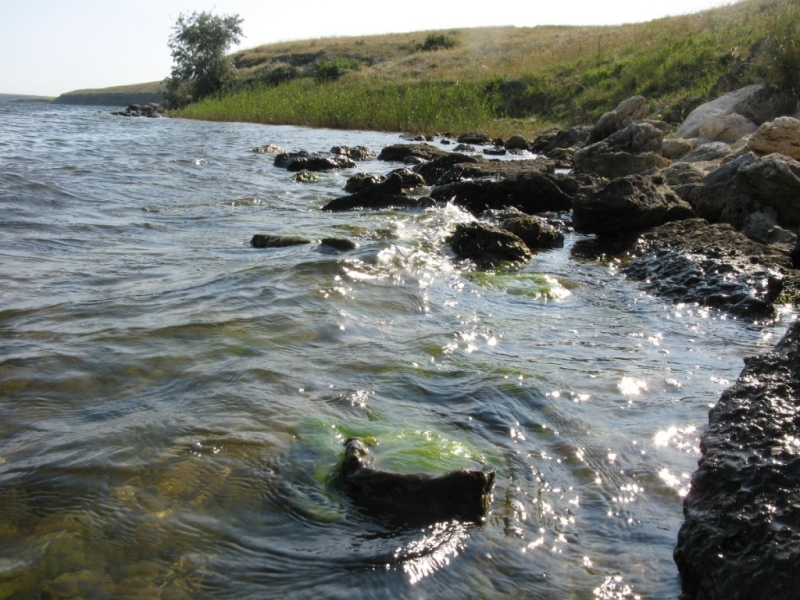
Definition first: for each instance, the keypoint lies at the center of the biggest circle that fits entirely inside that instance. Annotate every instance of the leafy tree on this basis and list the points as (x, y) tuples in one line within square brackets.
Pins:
[(199, 42)]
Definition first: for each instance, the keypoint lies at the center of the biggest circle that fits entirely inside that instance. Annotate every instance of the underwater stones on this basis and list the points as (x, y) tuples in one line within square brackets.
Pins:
[(487, 244), (412, 498), (739, 538), (305, 176), (338, 244), (627, 204)]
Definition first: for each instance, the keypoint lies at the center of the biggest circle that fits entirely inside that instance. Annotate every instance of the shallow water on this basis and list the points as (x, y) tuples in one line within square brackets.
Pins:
[(173, 401)]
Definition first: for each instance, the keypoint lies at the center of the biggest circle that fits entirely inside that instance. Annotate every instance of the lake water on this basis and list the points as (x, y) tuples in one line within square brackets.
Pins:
[(172, 401)]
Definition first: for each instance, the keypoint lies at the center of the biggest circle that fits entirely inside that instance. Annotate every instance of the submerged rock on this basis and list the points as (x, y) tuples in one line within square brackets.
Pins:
[(413, 498), (740, 536), (265, 240)]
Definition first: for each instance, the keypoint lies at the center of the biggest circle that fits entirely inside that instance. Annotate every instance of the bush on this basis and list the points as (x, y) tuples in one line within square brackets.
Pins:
[(333, 68), (438, 41)]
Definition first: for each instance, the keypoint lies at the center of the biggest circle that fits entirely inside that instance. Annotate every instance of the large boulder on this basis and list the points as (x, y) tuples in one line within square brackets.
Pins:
[(627, 112), (627, 204), (433, 170), (487, 245), (754, 103), (726, 127), (740, 538), (404, 152), (573, 137), (318, 161), (632, 150), (781, 135), (750, 184), (536, 233)]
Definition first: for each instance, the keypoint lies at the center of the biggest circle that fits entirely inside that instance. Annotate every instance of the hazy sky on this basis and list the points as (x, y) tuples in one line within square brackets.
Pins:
[(52, 46)]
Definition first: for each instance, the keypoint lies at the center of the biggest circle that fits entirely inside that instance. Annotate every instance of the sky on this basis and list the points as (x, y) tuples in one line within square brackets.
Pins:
[(48, 47)]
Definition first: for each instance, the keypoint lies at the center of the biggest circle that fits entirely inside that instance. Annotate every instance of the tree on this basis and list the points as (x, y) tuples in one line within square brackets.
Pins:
[(199, 42)]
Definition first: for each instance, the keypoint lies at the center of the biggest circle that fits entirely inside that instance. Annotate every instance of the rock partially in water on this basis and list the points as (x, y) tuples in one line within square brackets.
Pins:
[(536, 233), (268, 149), (740, 537), (357, 153), (487, 245), (635, 149), (713, 265), (265, 240), (389, 193), (338, 244), (401, 152), (625, 204), (413, 498)]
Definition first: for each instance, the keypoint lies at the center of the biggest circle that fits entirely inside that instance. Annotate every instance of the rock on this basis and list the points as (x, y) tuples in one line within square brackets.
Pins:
[(529, 192), (535, 233), (632, 150), (480, 166), (726, 127), (739, 537), (754, 103), (357, 153), (305, 176), (676, 148), (627, 204), (750, 184), (339, 244), (517, 142), (627, 112), (465, 148), (781, 135), (413, 499), (573, 137), (389, 193), (487, 245), (478, 139), (362, 181), (693, 261), (400, 152), (761, 227), (265, 240), (710, 151), (433, 170), (495, 151), (268, 149), (299, 161)]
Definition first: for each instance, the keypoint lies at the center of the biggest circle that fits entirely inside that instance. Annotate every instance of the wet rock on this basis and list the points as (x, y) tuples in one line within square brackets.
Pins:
[(433, 170), (530, 192), (495, 151), (761, 227), (268, 149), (300, 161), (339, 244), (465, 148), (137, 110), (627, 204), (480, 166), (573, 137), (305, 176), (536, 233), (487, 245), (478, 139), (413, 499), (390, 193), (363, 181), (357, 153), (781, 135), (265, 240), (400, 152), (627, 112), (739, 537), (693, 261), (632, 150), (517, 142)]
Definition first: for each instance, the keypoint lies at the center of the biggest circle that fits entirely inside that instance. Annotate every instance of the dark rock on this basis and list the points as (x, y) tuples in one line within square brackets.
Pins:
[(357, 153), (629, 151), (339, 244), (413, 499), (707, 152), (305, 176), (389, 193), (530, 192), (400, 152), (264, 240), (574, 137), (487, 245), (465, 148), (692, 261), (362, 181), (320, 162), (433, 170), (536, 234), (795, 254), (495, 151), (750, 184), (478, 139), (626, 204), (283, 159), (480, 166), (517, 142), (739, 538), (627, 112)]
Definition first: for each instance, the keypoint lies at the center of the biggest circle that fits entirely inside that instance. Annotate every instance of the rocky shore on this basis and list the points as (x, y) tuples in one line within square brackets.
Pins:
[(705, 214)]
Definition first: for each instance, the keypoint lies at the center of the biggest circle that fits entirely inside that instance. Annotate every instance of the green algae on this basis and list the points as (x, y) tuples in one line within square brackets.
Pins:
[(532, 285)]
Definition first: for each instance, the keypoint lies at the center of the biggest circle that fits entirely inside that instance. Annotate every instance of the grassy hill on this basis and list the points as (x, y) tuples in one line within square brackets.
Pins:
[(122, 95), (506, 80)]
